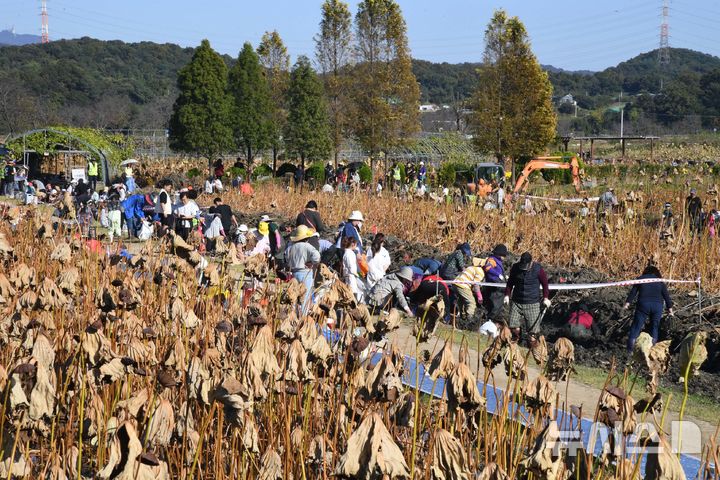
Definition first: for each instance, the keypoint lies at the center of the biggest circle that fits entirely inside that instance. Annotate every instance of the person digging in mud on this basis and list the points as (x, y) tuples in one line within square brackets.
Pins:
[(580, 326), (390, 291), (468, 295), (651, 297), (455, 262), (523, 287), (494, 273)]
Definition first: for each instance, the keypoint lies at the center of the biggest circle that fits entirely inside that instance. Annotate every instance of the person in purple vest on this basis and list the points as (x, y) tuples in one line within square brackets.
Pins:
[(523, 288)]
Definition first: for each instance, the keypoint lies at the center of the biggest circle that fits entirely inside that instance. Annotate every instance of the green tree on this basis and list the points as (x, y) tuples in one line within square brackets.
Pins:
[(274, 57), (333, 53), (307, 134), (386, 94), (200, 121), (514, 115), (252, 125)]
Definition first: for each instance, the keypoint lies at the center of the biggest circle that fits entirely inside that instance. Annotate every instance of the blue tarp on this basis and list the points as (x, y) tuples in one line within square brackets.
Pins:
[(494, 395)]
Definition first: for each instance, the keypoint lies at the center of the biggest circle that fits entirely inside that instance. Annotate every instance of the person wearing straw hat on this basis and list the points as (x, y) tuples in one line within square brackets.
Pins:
[(301, 260), (352, 228)]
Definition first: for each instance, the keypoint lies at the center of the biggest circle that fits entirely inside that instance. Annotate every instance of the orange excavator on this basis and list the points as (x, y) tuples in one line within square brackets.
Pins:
[(542, 163)]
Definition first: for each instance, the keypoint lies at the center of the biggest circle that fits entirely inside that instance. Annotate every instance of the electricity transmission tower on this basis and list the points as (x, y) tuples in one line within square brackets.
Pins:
[(664, 50), (45, 30)]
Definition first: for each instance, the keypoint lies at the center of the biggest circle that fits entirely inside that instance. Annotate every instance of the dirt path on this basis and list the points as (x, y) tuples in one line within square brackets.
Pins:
[(578, 393)]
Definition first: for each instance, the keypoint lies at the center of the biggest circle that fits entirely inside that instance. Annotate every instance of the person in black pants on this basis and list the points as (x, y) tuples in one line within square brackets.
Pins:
[(651, 297)]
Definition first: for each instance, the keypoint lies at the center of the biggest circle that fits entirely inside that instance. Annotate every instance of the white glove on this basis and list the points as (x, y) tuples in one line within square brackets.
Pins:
[(546, 302), (506, 300)]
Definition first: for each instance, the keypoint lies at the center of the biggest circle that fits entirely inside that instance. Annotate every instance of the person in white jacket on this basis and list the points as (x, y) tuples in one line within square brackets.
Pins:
[(378, 260), (350, 268)]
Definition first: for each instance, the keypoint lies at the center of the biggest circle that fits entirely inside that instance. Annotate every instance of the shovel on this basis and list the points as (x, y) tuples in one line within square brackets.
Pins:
[(537, 320)]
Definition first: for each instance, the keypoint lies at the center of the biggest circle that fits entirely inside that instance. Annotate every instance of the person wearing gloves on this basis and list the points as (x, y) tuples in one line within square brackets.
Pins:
[(494, 273), (352, 228), (468, 294), (651, 297), (523, 288), (391, 290), (302, 259)]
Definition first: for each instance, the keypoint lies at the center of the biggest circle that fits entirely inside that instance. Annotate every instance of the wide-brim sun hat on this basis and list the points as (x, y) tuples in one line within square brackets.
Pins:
[(243, 228), (406, 273), (302, 232), (356, 215)]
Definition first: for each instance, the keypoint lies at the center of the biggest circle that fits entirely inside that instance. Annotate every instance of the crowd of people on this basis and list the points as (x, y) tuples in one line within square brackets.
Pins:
[(476, 288)]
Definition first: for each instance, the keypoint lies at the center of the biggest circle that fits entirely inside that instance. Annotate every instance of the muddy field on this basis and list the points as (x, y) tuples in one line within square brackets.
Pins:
[(606, 304)]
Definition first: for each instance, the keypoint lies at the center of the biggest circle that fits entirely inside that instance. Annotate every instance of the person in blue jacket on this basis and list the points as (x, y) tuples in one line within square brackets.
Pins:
[(651, 298), (133, 208), (427, 265), (351, 229)]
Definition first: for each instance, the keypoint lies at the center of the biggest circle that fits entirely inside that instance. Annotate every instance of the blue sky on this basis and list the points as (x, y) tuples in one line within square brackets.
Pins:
[(575, 35)]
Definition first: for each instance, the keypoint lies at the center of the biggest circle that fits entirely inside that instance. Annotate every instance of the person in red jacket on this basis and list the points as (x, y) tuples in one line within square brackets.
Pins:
[(580, 324)]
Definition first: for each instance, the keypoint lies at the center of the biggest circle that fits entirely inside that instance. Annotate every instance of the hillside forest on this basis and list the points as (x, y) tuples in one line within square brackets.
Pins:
[(117, 85)]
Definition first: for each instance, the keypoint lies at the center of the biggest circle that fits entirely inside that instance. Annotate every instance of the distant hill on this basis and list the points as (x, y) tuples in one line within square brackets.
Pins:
[(638, 75), (9, 37), (112, 84)]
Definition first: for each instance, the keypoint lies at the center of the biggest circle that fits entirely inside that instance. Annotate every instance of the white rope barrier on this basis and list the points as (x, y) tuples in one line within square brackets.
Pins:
[(584, 286), (566, 200)]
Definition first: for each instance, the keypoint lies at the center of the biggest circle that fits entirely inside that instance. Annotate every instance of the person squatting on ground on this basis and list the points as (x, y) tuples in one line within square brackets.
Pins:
[(301, 260), (390, 291), (523, 288), (651, 298), (494, 273)]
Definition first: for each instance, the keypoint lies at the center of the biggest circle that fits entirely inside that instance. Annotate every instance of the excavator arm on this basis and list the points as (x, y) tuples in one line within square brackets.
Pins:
[(548, 163)]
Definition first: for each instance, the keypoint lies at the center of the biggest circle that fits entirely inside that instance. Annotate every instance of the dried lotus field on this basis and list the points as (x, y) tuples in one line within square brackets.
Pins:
[(127, 369)]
